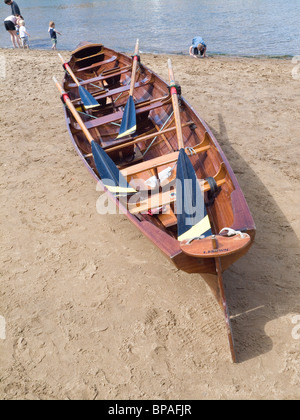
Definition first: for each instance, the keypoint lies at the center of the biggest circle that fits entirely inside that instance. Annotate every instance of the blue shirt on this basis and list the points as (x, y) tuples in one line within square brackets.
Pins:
[(52, 33), (198, 40)]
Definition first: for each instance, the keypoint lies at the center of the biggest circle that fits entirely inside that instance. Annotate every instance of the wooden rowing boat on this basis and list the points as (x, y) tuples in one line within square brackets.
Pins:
[(168, 134)]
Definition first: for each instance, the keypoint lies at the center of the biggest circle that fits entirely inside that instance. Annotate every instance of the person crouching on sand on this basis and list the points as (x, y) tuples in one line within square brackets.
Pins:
[(53, 35), (198, 47), (24, 35), (10, 25)]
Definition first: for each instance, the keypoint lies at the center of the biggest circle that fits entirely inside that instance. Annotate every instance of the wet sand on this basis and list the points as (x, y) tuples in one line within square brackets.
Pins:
[(91, 309)]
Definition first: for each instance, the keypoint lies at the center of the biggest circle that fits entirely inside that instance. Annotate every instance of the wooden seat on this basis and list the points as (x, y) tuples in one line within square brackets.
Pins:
[(122, 89), (99, 64), (106, 93), (77, 60), (168, 197), (103, 76), (117, 116), (168, 218), (163, 160)]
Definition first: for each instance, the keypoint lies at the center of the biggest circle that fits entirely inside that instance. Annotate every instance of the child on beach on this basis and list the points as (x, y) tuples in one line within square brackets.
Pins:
[(198, 47), (19, 18), (53, 35), (24, 35)]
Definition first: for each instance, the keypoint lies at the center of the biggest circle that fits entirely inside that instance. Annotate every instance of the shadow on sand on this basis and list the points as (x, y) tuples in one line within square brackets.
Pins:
[(262, 286)]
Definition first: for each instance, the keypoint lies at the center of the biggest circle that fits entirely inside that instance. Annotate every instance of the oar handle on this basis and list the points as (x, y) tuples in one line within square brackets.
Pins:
[(175, 106), (134, 67), (68, 68), (67, 101)]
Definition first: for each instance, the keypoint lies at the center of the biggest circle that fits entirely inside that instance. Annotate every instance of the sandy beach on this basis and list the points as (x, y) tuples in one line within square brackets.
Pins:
[(89, 308)]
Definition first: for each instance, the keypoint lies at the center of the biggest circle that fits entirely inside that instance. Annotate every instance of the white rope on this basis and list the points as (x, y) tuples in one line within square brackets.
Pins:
[(195, 239), (232, 232), (191, 150)]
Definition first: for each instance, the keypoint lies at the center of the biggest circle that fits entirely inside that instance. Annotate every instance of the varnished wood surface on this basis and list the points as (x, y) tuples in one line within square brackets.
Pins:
[(229, 208), (225, 245)]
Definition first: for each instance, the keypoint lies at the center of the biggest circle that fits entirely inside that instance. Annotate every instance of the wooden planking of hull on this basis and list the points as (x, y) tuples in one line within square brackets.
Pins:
[(147, 159)]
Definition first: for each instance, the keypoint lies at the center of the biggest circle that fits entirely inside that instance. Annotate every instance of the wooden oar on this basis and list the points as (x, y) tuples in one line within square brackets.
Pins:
[(87, 98), (128, 125), (192, 218), (110, 175), (190, 199)]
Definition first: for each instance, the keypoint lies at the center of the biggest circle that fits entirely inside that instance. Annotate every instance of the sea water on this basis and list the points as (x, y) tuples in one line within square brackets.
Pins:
[(233, 27)]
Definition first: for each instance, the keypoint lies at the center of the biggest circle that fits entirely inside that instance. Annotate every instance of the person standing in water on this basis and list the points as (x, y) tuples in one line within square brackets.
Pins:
[(10, 25), (15, 10), (24, 35), (52, 31)]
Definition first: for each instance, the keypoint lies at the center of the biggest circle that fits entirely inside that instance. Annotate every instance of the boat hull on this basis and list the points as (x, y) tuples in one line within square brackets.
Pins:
[(241, 220), (139, 157)]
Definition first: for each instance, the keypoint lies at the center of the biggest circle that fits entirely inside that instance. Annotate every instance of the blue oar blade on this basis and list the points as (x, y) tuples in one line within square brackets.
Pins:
[(87, 98), (128, 124), (192, 218), (109, 173)]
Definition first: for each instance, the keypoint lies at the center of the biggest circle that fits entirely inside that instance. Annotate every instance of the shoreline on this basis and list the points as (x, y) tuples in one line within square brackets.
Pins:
[(92, 310), (209, 55)]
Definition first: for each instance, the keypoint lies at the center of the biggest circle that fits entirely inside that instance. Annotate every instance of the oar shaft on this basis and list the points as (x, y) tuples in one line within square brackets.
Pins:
[(175, 106), (145, 138), (71, 107), (68, 68), (134, 67)]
